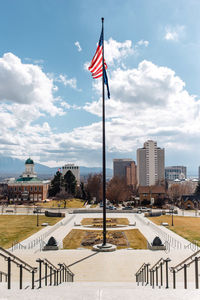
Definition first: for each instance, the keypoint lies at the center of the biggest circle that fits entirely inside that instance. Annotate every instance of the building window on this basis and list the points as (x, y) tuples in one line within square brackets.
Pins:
[(31, 188), (39, 188), (35, 188)]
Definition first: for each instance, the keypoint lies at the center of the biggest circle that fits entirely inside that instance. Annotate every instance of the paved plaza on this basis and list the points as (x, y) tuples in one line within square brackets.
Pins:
[(98, 275)]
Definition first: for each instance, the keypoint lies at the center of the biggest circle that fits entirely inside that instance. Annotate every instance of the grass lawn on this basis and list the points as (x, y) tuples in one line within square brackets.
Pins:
[(93, 205), (187, 227), (111, 222), (121, 238), (17, 228), (70, 203)]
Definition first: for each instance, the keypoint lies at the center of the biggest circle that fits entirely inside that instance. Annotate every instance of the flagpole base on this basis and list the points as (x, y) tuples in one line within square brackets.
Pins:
[(104, 248)]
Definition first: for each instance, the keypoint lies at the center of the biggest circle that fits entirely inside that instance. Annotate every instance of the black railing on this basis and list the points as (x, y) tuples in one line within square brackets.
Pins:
[(57, 274), (142, 275), (157, 272), (22, 265), (154, 275), (194, 258)]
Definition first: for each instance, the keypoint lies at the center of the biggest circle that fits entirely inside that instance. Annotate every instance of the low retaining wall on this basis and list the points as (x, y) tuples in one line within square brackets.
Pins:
[(94, 211)]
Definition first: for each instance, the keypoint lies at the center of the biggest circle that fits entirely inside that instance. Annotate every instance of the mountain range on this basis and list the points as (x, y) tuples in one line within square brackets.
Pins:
[(14, 167)]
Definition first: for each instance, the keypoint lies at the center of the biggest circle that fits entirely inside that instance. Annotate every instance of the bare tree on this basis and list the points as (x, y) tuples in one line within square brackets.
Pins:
[(176, 190), (117, 190), (94, 186)]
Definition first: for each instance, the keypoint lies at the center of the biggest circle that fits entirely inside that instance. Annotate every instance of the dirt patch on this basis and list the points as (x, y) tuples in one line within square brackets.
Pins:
[(110, 222), (78, 238)]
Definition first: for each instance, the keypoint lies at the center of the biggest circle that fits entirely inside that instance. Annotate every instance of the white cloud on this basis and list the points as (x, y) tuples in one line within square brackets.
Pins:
[(148, 102), (77, 44), (116, 51), (143, 43), (174, 33), (26, 84), (67, 82)]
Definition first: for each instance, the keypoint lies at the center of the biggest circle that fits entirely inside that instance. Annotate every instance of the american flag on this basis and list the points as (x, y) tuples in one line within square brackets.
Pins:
[(96, 67)]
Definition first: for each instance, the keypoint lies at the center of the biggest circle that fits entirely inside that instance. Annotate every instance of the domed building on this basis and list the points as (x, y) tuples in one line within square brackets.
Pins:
[(28, 187)]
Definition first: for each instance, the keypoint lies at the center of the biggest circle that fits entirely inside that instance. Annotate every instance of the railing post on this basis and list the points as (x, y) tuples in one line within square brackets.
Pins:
[(55, 276), (20, 276), (147, 273), (167, 275), (50, 275), (185, 276), (63, 275), (196, 273), (33, 274), (66, 274), (174, 279), (150, 277), (142, 273), (45, 274), (9, 272), (156, 276), (161, 274), (60, 275), (153, 279), (40, 271)]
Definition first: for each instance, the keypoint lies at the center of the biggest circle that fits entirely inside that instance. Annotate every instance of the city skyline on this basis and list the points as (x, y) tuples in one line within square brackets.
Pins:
[(50, 107)]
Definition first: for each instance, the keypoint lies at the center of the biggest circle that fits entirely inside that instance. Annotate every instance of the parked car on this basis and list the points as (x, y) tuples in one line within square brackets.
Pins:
[(127, 208), (111, 207)]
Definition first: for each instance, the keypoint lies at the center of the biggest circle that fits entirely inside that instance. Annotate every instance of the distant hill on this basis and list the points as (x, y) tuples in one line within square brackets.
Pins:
[(14, 167)]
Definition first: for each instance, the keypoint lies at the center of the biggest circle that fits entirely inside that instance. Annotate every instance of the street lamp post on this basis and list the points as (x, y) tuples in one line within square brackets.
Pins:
[(37, 210)]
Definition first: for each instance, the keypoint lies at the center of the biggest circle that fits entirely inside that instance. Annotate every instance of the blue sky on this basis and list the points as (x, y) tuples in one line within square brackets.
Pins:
[(50, 107)]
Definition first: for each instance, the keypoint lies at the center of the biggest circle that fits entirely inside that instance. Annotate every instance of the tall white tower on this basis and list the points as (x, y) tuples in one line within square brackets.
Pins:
[(29, 169), (150, 161)]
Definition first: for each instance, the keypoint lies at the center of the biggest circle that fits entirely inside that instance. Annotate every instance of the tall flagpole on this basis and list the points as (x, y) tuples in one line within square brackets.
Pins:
[(104, 247), (103, 142)]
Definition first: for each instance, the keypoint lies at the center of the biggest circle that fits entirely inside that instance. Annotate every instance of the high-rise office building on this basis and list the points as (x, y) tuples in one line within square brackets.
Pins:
[(150, 164), (125, 168), (175, 172)]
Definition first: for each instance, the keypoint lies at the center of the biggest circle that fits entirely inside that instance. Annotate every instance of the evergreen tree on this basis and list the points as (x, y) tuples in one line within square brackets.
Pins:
[(55, 186), (83, 192), (197, 190), (70, 183)]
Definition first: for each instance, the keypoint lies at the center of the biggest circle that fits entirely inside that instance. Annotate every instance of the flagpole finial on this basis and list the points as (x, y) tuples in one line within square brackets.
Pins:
[(102, 19)]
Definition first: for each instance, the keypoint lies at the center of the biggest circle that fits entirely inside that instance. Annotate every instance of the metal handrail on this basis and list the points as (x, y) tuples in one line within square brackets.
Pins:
[(181, 264), (139, 270), (68, 269), (49, 263), (157, 263), (17, 260), (9, 257)]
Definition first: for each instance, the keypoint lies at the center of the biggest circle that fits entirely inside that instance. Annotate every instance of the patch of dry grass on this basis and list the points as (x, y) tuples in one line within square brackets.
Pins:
[(17, 228), (187, 227), (110, 222), (121, 238), (68, 203)]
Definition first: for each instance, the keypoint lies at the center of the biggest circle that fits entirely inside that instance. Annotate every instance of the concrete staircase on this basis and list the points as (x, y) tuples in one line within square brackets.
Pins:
[(98, 291)]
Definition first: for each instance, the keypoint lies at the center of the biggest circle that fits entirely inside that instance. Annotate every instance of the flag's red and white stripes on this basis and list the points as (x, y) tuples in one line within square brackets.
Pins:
[(96, 67)]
